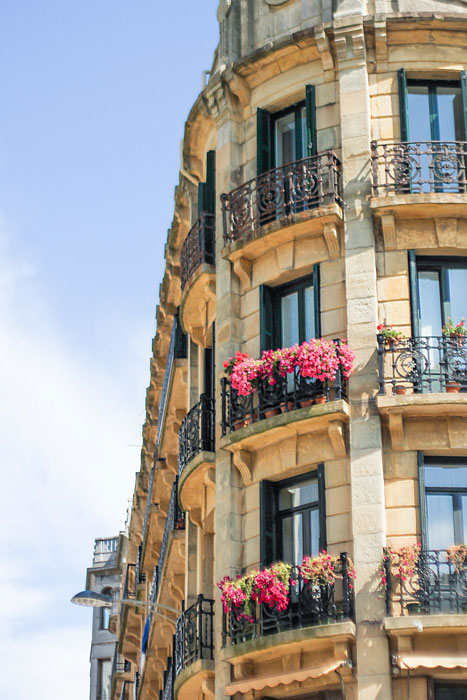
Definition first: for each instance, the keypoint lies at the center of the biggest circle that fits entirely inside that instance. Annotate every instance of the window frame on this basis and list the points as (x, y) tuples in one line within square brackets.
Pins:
[(432, 85), (423, 461), (419, 263), (271, 516), (270, 309)]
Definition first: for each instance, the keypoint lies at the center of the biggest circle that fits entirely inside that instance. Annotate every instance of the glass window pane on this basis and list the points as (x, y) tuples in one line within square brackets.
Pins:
[(464, 518), (448, 109), (446, 477), (440, 521), (457, 306), (430, 302), (314, 525), (299, 495), (285, 139), (419, 113), (289, 320), (310, 330), (292, 539)]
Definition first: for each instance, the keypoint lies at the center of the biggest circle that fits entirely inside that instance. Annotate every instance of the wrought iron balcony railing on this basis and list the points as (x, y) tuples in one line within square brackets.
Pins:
[(167, 693), (139, 576), (279, 194), (175, 521), (436, 586), (178, 349), (194, 634), (424, 364), (196, 431), (198, 247), (417, 167), (287, 394), (127, 691), (119, 664), (308, 605)]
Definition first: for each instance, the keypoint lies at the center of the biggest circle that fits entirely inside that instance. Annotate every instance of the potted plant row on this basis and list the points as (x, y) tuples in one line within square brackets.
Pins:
[(271, 586), (315, 359), (455, 333)]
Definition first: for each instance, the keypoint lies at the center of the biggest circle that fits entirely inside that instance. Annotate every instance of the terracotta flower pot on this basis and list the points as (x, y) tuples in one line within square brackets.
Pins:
[(320, 400), (272, 412), (453, 387), (400, 390), (306, 403), (289, 407), (246, 420)]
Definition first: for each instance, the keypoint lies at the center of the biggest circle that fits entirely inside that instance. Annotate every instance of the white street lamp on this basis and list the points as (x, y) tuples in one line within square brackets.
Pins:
[(102, 600)]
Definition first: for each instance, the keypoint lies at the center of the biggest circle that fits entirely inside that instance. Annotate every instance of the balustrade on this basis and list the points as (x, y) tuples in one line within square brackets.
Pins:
[(196, 432), (194, 634), (198, 247), (175, 521)]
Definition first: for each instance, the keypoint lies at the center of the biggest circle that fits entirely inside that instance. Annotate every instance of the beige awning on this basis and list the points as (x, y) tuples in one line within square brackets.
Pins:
[(282, 678), (409, 662)]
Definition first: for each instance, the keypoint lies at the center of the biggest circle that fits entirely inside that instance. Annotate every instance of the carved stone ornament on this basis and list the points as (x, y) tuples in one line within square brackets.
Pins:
[(276, 2)]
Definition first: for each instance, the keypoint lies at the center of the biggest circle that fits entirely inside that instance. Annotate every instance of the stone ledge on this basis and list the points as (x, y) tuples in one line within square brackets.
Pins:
[(416, 624), (424, 205), (192, 679), (289, 642)]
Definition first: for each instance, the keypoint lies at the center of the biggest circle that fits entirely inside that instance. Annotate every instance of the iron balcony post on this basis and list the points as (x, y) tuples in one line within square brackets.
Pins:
[(223, 417), (387, 574), (199, 609), (380, 340), (345, 586)]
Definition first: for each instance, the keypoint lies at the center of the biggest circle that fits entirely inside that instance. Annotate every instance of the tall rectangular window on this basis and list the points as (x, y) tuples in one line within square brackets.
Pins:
[(442, 293), (445, 501)]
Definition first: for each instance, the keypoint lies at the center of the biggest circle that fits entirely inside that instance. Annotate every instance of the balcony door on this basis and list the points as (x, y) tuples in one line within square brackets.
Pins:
[(445, 500), (441, 292)]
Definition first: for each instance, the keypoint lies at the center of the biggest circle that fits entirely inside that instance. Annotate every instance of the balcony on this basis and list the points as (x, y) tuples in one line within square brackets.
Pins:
[(198, 247), (197, 273), (175, 523), (167, 693), (196, 454), (422, 382), (293, 405), (130, 631), (315, 631), (426, 613), (296, 200), (194, 649), (178, 350), (419, 180)]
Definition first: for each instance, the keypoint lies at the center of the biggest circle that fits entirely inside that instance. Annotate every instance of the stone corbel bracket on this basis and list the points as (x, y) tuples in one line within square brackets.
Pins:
[(242, 459), (324, 49), (331, 236), (243, 268), (237, 86), (381, 41), (388, 227)]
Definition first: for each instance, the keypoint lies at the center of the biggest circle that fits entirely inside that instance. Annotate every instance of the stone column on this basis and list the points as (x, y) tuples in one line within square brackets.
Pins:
[(366, 465)]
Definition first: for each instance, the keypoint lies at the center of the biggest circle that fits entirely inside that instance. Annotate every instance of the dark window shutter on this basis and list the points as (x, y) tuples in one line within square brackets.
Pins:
[(210, 192), (322, 507), (268, 529), (403, 104), (317, 300), (464, 101), (201, 197), (414, 298), (422, 498), (208, 365), (267, 311), (263, 141), (312, 149)]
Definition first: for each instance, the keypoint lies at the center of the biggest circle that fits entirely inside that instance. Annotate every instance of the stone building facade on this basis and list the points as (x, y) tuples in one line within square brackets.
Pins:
[(322, 193)]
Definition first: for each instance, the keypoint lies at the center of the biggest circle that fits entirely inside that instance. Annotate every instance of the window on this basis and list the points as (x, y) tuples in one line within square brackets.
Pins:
[(286, 136), (293, 520), (103, 679), (450, 691), (444, 501), (289, 314), (440, 292), (105, 612)]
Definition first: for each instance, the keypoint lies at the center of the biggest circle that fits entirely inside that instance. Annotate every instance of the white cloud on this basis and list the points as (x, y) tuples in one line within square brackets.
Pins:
[(67, 472)]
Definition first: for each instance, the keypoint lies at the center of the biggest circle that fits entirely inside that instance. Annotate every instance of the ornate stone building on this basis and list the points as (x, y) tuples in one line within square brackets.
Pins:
[(322, 193)]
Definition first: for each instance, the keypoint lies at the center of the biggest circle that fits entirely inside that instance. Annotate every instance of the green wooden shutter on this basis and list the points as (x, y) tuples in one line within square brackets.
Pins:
[(310, 122), (267, 311), (317, 300), (414, 298), (268, 529), (464, 101), (322, 507), (422, 498), (263, 141), (403, 104), (210, 192), (201, 197)]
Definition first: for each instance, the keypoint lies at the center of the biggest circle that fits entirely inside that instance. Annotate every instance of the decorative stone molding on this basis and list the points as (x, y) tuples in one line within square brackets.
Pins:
[(242, 459), (331, 236), (388, 225), (350, 43), (217, 99), (336, 435), (381, 41), (274, 3), (324, 49), (243, 269), (237, 85)]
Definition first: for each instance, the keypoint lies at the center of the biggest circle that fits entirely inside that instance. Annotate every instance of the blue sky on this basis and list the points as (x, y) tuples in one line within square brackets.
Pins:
[(94, 98)]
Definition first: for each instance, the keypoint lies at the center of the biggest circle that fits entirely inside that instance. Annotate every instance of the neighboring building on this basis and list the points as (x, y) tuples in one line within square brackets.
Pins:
[(322, 192), (104, 576)]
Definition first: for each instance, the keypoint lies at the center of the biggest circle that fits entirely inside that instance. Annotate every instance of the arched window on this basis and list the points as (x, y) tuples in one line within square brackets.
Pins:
[(105, 612)]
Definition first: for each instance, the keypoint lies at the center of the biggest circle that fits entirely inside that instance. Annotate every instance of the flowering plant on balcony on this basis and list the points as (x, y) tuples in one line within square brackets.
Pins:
[(457, 555), (268, 586), (402, 562), (316, 359), (389, 333), (450, 330), (323, 570)]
